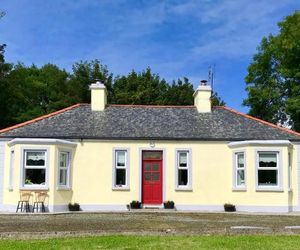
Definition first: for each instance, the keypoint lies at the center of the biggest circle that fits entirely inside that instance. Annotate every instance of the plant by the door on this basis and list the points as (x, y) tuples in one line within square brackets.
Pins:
[(74, 207), (229, 207), (135, 204), (169, 204)]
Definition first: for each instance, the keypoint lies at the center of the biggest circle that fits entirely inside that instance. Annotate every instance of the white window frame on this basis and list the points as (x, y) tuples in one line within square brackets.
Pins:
[(11, 170), (279, 186), (24, 151), (189, 186), (115, 167), (290, 181), (235, 186), (68, 169)]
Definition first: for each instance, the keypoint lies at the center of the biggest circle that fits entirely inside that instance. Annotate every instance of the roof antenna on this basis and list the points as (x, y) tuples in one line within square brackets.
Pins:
[(211, 75)]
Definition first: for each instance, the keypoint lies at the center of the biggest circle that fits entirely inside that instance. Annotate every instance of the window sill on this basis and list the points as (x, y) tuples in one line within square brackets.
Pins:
[(34, 188), (239, 189), (184, 189), (269, 189), (120, 189), (63, 188)]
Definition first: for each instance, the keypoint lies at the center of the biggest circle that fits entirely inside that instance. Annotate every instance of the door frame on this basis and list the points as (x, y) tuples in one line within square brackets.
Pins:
[(164, 172)]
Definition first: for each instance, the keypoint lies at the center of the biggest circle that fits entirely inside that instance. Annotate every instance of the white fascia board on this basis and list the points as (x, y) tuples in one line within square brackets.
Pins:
[(39, 141), (259, 143)]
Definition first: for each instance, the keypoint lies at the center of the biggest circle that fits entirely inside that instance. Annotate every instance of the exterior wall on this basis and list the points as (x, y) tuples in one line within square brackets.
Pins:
[(296, 178), (212, 178), (2, 149)]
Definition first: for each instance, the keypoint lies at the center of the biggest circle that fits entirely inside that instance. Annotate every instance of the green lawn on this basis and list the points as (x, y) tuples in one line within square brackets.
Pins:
[(158, 242)]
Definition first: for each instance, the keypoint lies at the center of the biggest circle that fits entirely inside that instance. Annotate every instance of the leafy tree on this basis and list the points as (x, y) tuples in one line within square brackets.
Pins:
[(140, 88), (4, 91), (180, 93), (84, 73), (273, 80), (36, 91), (216, 100)]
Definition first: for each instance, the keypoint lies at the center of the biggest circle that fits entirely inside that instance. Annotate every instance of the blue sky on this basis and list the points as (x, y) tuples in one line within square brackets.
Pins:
[(174, 38)]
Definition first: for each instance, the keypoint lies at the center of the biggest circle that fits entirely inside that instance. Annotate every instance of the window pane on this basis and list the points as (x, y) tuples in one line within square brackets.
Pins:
[(183, 159), (121, 155), (152, 155), (35, 158), (182, 177), (63, 160), (155, 167), (147, 176), (267, 177), (240, 160), (240, 177), (147, 166), (155, 176), (63, 177), (267, 160), (35, 176), (120, 176)]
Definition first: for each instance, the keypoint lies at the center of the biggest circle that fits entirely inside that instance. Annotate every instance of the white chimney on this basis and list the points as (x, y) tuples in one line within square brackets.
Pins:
[(98, 96), (202, 97)]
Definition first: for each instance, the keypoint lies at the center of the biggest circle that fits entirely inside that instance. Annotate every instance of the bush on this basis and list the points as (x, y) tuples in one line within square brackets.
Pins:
[(229, 207), (74, 207), (169, 204), (135, 205)]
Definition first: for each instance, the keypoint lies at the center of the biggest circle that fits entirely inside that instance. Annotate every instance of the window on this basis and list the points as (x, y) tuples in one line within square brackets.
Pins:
[(290, 171), (183, 169), (267, 172), (120, 169), (240, 180), (34, 168), (64, 168), (11, 170)]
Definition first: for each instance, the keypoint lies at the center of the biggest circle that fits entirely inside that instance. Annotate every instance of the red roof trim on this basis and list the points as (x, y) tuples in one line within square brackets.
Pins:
[(39, 118), (259, 120), (150, 106)]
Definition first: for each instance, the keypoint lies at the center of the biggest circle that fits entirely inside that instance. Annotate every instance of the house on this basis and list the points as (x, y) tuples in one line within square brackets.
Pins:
[(104, 156)]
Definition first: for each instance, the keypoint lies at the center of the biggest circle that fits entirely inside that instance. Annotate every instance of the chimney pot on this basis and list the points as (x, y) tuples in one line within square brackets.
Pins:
[(203, 82)]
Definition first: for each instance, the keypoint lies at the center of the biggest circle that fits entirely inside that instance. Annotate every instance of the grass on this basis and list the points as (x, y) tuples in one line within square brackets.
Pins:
[(157, 242)]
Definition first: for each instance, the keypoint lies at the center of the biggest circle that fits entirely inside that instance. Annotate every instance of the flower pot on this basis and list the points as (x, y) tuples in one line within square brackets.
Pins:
[(229, 208), (135, 205), (74, 207), (169, 205)]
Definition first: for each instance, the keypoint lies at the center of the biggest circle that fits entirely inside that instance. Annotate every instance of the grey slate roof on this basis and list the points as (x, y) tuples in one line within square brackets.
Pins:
[(148, 122)]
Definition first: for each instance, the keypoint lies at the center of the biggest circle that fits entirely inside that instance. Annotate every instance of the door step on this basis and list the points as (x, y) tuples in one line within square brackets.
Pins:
[(153, 206)]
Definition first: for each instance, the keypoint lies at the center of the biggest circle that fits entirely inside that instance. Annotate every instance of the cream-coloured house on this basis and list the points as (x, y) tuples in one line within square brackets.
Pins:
[(104, 156)]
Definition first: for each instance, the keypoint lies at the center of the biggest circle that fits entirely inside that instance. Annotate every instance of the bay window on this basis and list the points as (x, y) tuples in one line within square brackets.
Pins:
[(64, 165), (239, 171), (268, 169), (34, 168)]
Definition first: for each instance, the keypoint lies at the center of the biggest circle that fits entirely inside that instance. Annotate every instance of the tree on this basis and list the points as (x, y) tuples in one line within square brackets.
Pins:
[(180, 93), (83, 74), (36, 91), (216, 100), (4, 92), (140, 88), (273, 80)]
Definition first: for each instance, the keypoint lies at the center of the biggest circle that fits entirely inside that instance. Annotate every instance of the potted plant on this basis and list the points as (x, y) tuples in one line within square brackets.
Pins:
[(135, 204), (74, 207), (169, 204), (229, 207)]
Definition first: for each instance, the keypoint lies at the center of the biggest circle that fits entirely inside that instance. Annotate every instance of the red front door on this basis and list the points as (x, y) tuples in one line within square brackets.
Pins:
[(152, 178)]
